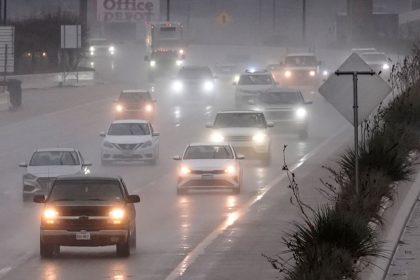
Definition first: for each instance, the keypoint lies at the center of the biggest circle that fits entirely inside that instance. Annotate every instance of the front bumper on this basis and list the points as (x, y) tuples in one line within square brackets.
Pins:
[(139, 154), (97, 238), (209, 181), (134, 114)]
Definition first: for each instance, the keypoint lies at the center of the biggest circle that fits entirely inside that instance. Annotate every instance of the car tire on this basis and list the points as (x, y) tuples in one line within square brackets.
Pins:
[(123, 248), (133, 239), (46, 250)]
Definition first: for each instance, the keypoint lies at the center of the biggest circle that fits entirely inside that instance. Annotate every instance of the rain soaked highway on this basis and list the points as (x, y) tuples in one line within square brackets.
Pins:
[(169, 226)]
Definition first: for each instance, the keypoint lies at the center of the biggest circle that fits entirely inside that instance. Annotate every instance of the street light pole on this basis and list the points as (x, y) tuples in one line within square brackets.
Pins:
[(168, 9), (274, 15), (4, 12), (304, 20), (355, 75)]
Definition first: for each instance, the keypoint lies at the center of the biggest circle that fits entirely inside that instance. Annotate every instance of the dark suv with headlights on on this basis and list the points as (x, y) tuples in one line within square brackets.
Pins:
[(87, 211), (135, 104), (284, 107)]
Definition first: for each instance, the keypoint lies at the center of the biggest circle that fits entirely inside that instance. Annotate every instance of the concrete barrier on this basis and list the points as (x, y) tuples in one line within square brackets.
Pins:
[(48, 80)]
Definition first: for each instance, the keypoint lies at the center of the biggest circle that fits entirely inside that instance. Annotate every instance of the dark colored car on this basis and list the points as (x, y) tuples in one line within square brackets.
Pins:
[(88, 212), (135, 104)]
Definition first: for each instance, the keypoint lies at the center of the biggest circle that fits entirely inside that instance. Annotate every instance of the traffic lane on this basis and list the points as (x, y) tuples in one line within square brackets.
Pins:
[(159, 186)]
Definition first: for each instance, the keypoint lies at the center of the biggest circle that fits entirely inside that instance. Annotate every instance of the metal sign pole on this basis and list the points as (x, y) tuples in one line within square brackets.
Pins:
[(355, 74)]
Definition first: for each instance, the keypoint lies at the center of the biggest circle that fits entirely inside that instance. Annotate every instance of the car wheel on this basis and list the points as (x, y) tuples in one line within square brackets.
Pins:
[(123, 249), (133, 239), (46, 250)]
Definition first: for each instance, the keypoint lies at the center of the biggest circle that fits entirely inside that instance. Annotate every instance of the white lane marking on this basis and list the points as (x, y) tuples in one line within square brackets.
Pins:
[(190, 258)]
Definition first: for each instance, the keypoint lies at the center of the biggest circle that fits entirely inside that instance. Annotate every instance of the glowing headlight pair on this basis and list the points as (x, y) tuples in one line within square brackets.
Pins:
[(300, 113)]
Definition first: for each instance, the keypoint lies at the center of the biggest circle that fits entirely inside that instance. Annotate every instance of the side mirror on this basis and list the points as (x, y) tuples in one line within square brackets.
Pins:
[(240, 156), (23, 164), (176, 158), (270, 124), (39, 198), (146, 58), (155, 134), (87, 164), (308, 102), (209, 125), (102, 134), (134, 198)]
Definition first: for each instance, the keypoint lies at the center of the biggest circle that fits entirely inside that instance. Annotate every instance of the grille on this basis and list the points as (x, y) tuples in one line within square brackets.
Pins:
[(84, 210), (127, 146), (200, 172), (208, 183), (302, 73), (238, 138)]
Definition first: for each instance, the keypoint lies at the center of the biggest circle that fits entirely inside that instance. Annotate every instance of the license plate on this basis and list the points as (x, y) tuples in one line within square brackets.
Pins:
[(207, 177), (83, 235)]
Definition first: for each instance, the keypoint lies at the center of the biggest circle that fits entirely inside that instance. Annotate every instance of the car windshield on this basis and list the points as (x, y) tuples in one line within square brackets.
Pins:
[(256, 80), (240, 120), (304, 60), (280, 98), (99, 42), (120, 129), (208, 152), (195, 73), (374, 57), (48, 158), (134, 97), (82, 190)]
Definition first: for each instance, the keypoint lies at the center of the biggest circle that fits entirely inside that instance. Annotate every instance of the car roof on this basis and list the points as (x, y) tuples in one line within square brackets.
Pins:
[(135, 91), (130, 121), (87, 178), (300, 54), (208, 144), (238, 111), (56, 150)]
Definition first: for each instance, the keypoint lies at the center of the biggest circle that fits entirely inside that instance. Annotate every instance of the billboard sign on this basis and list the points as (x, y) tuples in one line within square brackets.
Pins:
[(135, 11), (71, 36), (7, 49)]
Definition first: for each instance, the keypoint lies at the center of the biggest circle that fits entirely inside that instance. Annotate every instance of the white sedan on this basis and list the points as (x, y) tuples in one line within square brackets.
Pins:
[(46, 165), (130, 140), (209, 166)]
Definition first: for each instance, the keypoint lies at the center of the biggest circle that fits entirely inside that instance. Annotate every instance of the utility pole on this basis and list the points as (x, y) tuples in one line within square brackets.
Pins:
[(168, 10), (304, 20), (3, 11), (274, 15), (355, 75)]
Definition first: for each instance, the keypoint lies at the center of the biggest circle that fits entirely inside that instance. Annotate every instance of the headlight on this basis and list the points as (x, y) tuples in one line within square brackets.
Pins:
[(230, 170), (177, 86), (300, 113), (325, 73), (312, 73), (181, 51), (91, 49), (208, 86), (117, 215), (50, 215), (259, 138), (152, 63), (147, 144), (217, 137), (236, 78), (86, 170), (29, 176), (258, 109), (148, 108), (108, 144), (111, 49), (179, 62), (288, 74), (385, 66), (119, 108), (184, 170)]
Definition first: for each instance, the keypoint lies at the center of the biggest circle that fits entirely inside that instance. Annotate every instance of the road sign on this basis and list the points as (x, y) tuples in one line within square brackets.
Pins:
[(338, 90), (71, 37), (223, 18), (7, 49), (136, 11)]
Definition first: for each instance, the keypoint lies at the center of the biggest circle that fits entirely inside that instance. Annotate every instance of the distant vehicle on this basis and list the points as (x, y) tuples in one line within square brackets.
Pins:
[(300, 69), (232, 65), (130, 140), (362, 50), (251, 83), (101, 47), (87, 212), (165, 46), (209, 166), (284, 107), (378, 61), (245, 130), (194, 81), (46, 165), (135, 104)]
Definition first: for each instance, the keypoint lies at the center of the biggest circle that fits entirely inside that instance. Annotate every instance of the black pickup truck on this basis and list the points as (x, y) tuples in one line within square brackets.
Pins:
[(87, 211)]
